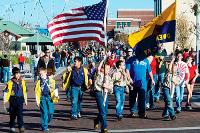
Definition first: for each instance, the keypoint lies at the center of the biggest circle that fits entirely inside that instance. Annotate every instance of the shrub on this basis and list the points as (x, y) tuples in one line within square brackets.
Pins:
[(27, 60), (14, 59)]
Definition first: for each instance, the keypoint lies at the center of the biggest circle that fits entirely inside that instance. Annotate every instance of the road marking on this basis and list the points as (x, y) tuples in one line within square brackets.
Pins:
[(141, 130)]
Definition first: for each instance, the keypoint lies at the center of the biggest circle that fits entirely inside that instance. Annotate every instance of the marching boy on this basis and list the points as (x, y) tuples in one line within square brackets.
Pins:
[(16, 94), (170, 81), (120, 80), (103, 84), (46, 92)]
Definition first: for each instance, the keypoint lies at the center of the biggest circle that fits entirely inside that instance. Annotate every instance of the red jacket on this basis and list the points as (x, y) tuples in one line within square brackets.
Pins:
[(21, 59)]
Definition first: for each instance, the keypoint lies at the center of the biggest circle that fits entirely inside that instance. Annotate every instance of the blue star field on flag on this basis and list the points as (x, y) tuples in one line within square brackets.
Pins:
[(96, 12)]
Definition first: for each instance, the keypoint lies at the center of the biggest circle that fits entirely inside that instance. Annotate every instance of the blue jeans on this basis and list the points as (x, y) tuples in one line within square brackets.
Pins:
[(141, 92), (76, 96), (21, 66), (179, 89), (6, 74), (103, 110), (84, 61), (68, 93), (46, 111), (57, 62), (120, 97), (161, 77), (1, 74), (151, 91), (35, 73), (63, 61), (168, 109)]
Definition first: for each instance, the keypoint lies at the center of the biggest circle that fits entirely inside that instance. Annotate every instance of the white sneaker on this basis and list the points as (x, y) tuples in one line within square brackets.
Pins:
[(147, 106), (12, 130), (79, 115)]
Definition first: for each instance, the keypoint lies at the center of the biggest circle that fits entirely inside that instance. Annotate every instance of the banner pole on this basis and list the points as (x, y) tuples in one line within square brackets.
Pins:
[(174, 46)]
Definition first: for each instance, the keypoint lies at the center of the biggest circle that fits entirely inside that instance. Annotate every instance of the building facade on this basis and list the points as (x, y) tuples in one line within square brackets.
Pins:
[(145, 15), (129, 20)]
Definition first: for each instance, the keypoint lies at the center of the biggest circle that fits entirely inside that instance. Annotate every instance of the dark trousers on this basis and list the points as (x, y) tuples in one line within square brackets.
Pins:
[(21, 65), (141, 100), (16, 110)]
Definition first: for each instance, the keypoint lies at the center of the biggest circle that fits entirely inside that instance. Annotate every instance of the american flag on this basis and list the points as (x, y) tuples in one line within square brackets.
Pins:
[(84, 23), (182, 70)]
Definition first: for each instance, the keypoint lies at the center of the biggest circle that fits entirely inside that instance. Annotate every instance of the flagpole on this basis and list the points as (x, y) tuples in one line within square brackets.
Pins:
[(105, 24), (174, 47), (105, 93)]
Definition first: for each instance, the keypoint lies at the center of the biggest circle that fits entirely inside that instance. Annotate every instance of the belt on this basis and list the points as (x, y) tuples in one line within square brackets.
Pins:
[(119, 86)]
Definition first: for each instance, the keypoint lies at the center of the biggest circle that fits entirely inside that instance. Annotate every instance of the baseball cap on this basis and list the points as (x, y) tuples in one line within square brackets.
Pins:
[(130, 50)]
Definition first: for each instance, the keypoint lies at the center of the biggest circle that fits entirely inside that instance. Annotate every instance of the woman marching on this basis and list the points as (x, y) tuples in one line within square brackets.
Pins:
[(193, 72)]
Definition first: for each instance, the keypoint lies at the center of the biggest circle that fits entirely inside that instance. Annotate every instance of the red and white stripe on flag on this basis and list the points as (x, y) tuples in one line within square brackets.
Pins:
[(77, 26)]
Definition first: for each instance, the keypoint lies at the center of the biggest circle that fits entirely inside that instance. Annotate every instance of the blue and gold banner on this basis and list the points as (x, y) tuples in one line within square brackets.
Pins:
[(160, 30)]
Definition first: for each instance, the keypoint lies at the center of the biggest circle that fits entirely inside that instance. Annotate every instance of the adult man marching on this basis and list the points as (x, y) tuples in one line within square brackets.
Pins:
[(48, 62), (138, 68)]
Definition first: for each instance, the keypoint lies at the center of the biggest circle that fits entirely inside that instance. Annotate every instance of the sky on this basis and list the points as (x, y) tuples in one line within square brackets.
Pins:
[(40, 14)]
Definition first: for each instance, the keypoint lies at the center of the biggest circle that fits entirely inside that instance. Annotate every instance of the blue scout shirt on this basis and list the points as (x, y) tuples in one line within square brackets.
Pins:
[(17, 88), (138, 71), (77, 77), (44, 87)]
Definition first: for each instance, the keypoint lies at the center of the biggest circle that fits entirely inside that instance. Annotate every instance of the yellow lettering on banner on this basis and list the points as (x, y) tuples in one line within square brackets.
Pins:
[(168, 36), (163, 37), (159, 37)]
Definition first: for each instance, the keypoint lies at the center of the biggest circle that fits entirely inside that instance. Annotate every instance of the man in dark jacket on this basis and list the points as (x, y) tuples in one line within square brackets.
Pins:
[(47, 61)]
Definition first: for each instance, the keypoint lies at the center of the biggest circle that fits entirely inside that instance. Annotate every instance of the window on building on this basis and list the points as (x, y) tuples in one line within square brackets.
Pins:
[(118, 24), (123, 24), (109, 22), (128, 24)]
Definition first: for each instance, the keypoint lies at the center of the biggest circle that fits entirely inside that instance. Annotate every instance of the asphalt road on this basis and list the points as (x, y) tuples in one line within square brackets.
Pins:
[(186, 122)]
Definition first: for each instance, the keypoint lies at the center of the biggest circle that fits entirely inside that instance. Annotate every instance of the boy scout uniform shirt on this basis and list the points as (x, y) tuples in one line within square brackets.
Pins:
[(120, 78), (99, 82)]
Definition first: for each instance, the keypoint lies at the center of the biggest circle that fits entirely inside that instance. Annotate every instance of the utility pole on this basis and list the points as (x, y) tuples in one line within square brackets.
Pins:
[(197, 37), (196, 13), (37, 30)]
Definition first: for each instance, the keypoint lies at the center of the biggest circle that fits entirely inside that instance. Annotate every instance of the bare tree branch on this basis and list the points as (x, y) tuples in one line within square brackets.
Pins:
[(184, 30), (5, 42)]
